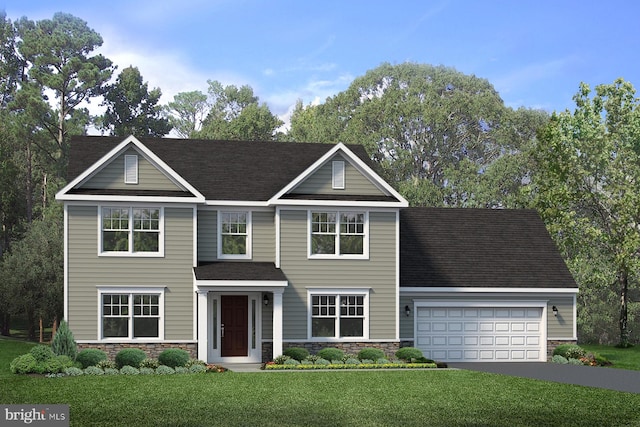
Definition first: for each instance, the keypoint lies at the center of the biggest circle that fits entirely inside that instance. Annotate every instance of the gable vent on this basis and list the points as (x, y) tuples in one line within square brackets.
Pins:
[(131, 169), (338, 175)]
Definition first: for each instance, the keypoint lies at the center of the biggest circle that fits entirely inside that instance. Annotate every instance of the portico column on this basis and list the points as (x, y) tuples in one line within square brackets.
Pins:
[(203, 329), (277, 323)]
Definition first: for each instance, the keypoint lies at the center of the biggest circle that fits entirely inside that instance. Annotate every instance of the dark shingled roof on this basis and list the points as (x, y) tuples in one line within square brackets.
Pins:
[(442, 247), (239, 271), (220, 170)]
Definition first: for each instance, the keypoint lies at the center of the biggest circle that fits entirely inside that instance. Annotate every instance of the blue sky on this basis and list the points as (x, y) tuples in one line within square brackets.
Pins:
[(535, 53)]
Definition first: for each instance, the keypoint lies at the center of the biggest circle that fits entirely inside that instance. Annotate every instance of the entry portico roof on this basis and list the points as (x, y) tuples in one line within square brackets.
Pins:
[(239, 271)]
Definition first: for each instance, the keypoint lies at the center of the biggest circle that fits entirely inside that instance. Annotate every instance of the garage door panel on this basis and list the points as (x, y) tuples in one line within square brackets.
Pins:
[(517, 326), (533, 326), (502, 341), (518, 340), (486, 341), (455, 327), (471, 340), (486, 327), (479, 333), (502, 326)]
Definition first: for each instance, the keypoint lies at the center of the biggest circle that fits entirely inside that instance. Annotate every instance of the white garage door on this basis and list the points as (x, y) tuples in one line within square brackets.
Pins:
[(479, 334)]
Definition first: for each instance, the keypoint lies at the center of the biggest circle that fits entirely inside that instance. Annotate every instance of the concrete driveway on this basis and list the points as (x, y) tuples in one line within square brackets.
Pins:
[(590, 376)]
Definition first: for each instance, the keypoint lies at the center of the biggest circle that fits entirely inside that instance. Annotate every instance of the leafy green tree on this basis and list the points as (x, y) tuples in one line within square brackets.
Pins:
[(236, 114), (58, 53), (33, 272), (10, 64), (187, 111), (588, 186), (132, 109), (435, 132)]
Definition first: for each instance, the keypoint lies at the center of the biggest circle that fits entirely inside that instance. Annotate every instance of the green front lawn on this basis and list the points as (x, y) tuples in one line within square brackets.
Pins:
[(621, 358), (433, 397)]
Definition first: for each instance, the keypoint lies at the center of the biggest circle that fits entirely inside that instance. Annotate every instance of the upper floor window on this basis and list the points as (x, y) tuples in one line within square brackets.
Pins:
[(235, 235), (131, 230), (341, 234), (130, 169)]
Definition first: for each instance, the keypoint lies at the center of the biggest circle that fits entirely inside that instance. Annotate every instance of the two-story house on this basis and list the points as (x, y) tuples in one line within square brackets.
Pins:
[(236, 250)]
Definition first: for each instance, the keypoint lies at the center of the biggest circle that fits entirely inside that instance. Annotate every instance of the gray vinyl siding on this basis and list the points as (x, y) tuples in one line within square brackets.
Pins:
[(560, 327), (207, 235), (262, 239), (111, 177), (377, 273), (320, 182), (87, 271)]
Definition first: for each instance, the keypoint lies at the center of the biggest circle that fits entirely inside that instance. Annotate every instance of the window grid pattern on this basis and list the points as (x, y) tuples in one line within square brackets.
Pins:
[(115, 305), (324, 305), (330, 237), (332, 320), (130, 230), (234, 233), (130, 315)]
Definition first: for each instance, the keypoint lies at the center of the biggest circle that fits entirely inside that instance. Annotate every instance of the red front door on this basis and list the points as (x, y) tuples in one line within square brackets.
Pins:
[(234, 324)]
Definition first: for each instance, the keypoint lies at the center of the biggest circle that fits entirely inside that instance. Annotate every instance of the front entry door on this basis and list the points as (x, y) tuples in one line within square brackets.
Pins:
[(234, 325)]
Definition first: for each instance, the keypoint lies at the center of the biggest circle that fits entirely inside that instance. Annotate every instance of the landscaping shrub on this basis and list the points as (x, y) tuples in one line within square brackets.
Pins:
[(408, 353), (165, 370), (173, 357), (129, 370), (281, 359), (111, 371), (147, 371), (371, 354), (181, 370), (90, 357), (559, 359), (24, 364), (297, 353), (573, 361), (149, 363), (322, 361), (382, 361), (291, 362), (569, 351), (194, 362), (352, 361), (42, 353), (331, 353), (57, 364), (73, 371), (63, 343), (106, 364), (197, 369), (93, 370), (130, 357)]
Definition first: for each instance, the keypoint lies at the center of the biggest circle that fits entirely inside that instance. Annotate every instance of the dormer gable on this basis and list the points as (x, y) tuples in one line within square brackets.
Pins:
[(339, 177), (129, 171)]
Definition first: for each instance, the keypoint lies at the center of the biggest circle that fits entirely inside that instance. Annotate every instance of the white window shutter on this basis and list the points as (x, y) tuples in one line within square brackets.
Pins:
[(130, 169), (338, 175)]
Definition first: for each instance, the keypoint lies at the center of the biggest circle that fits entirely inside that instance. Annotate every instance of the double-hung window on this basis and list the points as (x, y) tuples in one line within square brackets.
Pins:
[(131, 315), (234, 237), (335, 315), (338, 234), (131, 230)]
